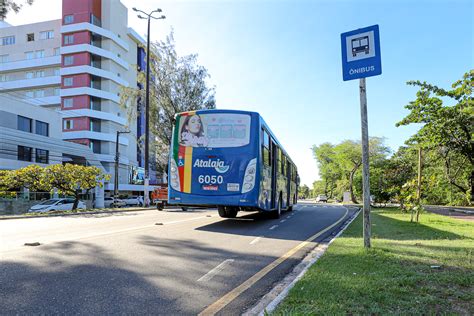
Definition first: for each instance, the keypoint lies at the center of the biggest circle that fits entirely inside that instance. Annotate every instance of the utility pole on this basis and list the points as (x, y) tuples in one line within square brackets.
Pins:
[(146, 199), (117, 157), (365, 161)]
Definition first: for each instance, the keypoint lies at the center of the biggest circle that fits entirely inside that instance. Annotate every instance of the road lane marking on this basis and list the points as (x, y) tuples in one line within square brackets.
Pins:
[(273, 227), (218, 305), (256, 240), (216, 270), (283, 220)]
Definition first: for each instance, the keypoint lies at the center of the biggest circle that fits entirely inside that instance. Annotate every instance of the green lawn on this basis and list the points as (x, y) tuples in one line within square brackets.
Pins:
[(395, 276)]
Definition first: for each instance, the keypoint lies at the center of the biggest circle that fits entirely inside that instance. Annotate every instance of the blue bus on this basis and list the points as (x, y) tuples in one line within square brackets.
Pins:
[(230, 160)]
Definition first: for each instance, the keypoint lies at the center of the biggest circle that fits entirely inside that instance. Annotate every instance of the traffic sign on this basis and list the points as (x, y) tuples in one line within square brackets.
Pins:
[(361, 53)]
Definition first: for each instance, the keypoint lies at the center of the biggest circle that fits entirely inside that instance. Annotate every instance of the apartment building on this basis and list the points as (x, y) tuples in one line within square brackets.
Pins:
[(76, 65)]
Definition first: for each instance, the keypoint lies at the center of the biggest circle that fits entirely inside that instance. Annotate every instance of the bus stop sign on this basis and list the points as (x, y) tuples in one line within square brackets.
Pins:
[(361, 53)]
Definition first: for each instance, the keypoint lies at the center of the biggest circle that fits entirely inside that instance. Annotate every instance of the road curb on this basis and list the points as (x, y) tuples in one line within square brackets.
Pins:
[(6, 217), (270, 301)]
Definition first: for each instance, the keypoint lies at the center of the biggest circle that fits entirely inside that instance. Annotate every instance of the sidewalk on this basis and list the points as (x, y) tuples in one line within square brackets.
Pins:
[(97, 211), (465, 213)]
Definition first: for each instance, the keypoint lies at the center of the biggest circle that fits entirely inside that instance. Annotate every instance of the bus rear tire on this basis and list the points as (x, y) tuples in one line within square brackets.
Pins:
[(276, 213), (227, 211)]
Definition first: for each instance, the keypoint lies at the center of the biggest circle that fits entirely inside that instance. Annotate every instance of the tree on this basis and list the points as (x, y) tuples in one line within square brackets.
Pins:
[(30, 177), (71, 179), (7, 6), (446, 128), (178, 85), (339, 163), (303, 191)]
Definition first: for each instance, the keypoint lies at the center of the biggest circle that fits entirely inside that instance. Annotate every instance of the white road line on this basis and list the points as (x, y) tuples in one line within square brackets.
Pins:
[(216, 270), (283, 220), (273, 227), (256, 240)]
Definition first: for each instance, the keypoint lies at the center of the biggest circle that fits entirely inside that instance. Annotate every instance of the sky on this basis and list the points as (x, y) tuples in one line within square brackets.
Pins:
[(282, 58)]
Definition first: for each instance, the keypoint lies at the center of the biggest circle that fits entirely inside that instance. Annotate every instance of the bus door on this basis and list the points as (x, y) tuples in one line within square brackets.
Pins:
[(274, 173)]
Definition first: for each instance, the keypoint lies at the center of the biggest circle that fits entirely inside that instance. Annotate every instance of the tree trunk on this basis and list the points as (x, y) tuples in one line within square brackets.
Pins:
[(351, 189), (76, 202)]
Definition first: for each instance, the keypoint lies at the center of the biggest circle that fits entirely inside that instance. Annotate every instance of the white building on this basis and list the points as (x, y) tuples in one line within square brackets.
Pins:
[(76, 66)]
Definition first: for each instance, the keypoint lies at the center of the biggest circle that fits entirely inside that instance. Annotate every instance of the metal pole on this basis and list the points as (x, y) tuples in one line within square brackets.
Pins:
[(365, 161), (116, 166), (147, 119)]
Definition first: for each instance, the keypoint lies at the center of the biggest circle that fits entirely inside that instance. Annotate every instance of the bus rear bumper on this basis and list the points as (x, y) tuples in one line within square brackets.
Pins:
[(243, 200)]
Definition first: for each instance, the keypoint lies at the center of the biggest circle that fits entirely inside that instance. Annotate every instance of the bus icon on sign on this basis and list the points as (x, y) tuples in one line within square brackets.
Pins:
[(359, 45)]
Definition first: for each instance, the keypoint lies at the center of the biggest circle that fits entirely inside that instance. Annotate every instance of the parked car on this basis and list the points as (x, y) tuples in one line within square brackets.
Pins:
[(109, 202), (56, 205), (322, 198), (134, 200)]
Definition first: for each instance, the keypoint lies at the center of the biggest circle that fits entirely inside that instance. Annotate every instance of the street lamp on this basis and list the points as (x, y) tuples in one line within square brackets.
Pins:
[(147, 99), (117, 156)]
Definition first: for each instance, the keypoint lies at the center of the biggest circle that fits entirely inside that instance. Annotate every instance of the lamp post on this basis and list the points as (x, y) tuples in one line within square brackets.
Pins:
[(147, 100), (117, 156)]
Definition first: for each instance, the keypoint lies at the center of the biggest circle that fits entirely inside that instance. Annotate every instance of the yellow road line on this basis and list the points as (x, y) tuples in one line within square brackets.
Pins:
[(232, 295)]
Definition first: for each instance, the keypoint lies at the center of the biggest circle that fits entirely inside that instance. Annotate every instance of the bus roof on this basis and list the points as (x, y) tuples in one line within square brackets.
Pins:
[(244, 112)]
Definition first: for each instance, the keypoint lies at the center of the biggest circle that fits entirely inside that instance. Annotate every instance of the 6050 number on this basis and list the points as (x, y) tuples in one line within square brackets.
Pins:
[(210, 179)]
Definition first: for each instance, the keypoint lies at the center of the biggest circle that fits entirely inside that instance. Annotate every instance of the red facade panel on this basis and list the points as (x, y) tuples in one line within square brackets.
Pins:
[(82, 9), (83, 37), (79, 59), (78, 102), (80, 80), (80, 124)]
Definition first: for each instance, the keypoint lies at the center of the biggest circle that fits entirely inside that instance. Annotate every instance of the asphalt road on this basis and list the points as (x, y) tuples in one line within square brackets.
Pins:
[(127, 264)]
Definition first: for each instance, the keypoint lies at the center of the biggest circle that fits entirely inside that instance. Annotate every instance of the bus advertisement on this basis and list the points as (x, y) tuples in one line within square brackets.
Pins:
[(231, 160)]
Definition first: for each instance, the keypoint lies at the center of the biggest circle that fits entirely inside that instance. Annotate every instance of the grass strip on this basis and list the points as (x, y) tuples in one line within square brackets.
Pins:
[(412, 268)]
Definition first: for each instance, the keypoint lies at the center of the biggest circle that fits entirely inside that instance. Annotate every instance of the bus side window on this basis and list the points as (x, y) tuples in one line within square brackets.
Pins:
[(283, 164), (265, 148)]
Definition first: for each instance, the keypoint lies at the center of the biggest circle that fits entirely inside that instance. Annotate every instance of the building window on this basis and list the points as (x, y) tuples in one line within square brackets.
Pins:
[(3, 78), (57, 91), (30, 75), (24, 153), (57, 51), (42, 128), (29, 94), (39, 74), (68, 60), (68, 19), (24, 124), (68, 103), (8, 40), (57, 71), (68, 81), (39, 93), (42, 156), (30, 37), (68, 39), (68, 124), (4, 59), (40, 53), (30, 55), (47, 35), (95, 20)]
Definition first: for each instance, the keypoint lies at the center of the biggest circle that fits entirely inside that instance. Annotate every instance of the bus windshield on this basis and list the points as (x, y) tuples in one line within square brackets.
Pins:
[(213, 130)]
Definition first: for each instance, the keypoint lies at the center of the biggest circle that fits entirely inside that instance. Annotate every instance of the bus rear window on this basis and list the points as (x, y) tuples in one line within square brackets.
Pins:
[(215, 130)]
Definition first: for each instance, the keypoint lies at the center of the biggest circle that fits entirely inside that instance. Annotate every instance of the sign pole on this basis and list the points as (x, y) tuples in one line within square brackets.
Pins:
[(365, 161)]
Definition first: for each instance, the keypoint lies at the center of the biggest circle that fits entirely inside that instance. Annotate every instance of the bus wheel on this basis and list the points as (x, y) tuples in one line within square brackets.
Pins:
[(231, 212), (276, 213), (221, 211)]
